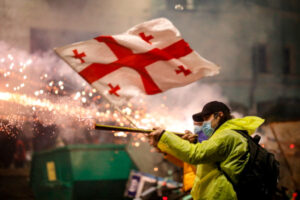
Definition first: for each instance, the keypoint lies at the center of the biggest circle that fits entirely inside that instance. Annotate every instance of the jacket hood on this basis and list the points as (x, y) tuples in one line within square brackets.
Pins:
[(250, 124)]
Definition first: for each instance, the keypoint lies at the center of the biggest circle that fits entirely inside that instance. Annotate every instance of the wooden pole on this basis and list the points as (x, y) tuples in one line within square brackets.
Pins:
[(126, 129)]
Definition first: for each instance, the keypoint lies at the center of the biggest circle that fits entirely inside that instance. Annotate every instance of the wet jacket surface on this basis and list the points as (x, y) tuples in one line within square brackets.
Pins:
[(226, 149)]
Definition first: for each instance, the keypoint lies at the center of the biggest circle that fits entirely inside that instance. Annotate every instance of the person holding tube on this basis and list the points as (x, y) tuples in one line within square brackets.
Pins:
[(189, 171), (225, 150)]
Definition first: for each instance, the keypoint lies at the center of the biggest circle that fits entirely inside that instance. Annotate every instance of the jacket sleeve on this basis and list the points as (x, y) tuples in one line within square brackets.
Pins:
[(212, 150)]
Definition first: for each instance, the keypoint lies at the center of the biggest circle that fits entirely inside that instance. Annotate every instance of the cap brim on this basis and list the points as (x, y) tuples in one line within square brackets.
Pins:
[(198, 117)]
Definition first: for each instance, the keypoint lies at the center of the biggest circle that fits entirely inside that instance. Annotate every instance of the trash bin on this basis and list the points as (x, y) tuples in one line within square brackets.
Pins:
[(81, 172)]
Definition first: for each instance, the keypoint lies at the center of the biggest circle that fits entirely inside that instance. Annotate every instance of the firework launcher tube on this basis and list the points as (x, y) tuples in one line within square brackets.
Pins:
[(127, 129)]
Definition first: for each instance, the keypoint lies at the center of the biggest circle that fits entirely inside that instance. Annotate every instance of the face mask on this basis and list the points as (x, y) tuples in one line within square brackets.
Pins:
[(207, 129), (197, 129)]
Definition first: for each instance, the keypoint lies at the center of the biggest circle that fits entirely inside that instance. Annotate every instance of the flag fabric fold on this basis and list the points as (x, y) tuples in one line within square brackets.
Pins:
[(149, 58)]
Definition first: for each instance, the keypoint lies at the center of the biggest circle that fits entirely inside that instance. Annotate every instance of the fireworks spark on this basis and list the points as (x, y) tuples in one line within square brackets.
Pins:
[(49, 96)]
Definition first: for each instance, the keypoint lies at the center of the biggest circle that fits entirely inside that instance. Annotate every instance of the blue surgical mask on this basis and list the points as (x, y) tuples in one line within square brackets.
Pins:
[(197, 129), (207, 129)]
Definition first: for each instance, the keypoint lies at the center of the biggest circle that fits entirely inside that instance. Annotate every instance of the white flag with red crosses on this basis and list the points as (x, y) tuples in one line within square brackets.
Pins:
[(149, 58)]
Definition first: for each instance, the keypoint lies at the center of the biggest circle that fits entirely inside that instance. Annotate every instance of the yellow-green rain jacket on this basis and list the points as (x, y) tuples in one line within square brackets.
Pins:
[(226, 148)]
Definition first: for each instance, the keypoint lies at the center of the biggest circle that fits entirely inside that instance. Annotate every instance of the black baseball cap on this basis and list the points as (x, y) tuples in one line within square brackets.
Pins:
[(211, 108)]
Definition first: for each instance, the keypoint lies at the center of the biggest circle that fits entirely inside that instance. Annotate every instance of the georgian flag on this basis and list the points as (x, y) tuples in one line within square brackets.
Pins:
[(149, 58)]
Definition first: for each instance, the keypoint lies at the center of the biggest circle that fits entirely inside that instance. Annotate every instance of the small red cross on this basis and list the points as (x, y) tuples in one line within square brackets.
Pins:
[(113, 90), (79, 56), (180, 69), (146, 38)]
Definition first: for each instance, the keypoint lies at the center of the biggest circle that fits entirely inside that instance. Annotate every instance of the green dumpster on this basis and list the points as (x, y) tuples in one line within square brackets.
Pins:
[(81, 172)]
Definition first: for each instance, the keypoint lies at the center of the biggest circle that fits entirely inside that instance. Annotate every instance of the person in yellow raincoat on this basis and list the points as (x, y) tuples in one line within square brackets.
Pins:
[(225, 151), (189, 171)]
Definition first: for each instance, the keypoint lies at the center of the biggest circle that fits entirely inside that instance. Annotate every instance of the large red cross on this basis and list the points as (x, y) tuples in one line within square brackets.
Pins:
[(137, 62), (79, 55)]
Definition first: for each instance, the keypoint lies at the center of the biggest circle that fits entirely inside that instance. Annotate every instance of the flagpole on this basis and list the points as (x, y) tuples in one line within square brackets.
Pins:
[(120, 111), (103, 95), (127, 129)]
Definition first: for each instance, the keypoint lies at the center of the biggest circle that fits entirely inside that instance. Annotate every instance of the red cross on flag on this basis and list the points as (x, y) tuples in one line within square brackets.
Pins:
[(149, 58)]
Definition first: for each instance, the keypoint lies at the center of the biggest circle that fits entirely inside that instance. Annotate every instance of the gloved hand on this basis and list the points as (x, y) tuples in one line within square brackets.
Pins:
[(155, 136), (189, 136)]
